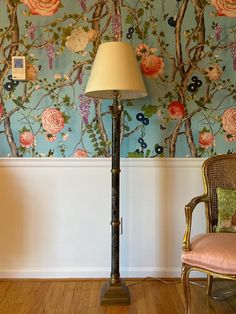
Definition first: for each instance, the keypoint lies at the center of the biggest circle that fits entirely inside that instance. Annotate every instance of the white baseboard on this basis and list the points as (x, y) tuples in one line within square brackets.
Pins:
[(86, 272)]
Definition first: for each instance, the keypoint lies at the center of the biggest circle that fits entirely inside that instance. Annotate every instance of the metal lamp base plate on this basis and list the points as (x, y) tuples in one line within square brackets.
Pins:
[(115, 294)]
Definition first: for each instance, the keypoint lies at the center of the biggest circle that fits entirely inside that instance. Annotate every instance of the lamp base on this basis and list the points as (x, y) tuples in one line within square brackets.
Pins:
[(117, 294)]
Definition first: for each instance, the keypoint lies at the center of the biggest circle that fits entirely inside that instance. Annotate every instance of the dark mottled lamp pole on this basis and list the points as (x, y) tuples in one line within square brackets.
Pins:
[(115, 75), (115, 290), (116, 111)]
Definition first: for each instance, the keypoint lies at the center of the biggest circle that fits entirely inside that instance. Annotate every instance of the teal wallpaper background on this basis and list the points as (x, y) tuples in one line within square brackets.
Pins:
[(187, 55)]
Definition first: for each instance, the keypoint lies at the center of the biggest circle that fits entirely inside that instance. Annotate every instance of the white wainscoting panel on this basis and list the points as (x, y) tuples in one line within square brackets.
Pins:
[(55, 216)]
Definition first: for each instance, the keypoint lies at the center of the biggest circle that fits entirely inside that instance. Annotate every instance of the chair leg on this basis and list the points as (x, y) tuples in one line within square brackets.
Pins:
[(186, 288), (209, 284)]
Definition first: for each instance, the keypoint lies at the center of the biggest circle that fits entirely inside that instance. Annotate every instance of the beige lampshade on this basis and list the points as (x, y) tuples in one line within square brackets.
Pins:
[(115, 69)]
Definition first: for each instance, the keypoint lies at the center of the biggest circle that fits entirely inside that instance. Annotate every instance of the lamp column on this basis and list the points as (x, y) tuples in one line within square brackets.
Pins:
[(115, 292)]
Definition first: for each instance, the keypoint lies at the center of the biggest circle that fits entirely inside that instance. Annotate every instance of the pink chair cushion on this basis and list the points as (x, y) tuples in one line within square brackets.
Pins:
[(213, 251)]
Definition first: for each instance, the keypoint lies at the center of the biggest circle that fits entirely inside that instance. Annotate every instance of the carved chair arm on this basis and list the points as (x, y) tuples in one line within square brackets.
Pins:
[(189, 208)]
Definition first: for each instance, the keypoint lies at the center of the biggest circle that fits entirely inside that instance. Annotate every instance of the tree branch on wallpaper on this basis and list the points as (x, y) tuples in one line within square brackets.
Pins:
[(187, 54)]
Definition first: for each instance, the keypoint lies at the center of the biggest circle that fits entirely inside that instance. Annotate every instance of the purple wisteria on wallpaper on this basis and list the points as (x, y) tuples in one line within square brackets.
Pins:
[(187, 55)]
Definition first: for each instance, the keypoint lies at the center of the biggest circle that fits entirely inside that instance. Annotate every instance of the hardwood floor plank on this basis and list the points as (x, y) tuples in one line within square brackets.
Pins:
[(83, 297), (175, 295), (139, 298)]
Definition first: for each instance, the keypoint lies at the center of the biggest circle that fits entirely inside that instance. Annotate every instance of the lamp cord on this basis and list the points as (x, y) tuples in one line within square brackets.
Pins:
[(219, 297)]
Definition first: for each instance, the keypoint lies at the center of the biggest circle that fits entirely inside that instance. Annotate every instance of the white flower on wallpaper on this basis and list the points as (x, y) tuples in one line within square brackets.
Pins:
[(78, 40)]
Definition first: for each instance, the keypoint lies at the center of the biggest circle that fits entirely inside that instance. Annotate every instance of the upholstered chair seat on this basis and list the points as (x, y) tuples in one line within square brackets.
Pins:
[(213, 251)]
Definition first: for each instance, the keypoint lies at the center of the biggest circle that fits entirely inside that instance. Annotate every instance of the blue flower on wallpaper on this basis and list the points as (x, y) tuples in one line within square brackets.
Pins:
[(187, 55)]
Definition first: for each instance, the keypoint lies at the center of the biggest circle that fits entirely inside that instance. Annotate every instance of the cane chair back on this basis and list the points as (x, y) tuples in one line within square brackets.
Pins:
[(218, 171)]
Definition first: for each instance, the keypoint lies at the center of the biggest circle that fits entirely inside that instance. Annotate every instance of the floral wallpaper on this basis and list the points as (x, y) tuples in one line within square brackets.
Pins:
[(186, 50)]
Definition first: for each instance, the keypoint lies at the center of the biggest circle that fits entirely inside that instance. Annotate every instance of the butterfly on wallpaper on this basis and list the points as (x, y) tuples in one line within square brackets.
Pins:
[(162, 127)]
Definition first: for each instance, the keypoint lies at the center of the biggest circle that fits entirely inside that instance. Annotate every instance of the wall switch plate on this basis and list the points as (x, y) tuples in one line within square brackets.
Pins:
[(18, 68)]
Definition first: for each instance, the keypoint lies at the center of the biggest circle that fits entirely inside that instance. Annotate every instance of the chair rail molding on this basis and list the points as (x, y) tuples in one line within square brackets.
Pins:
[(101, 162)]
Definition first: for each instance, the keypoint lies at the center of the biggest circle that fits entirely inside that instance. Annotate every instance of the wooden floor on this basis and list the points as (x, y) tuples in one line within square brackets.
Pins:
[(82, 297)]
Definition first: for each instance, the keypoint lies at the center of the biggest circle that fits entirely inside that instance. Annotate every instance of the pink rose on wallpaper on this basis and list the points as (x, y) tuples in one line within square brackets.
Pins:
[(1, 110), (152, 66), (42, 7), (52, 120), (229, 121), (80, 153), (206, 139), (176, 110), (27, 139), (225, 7)]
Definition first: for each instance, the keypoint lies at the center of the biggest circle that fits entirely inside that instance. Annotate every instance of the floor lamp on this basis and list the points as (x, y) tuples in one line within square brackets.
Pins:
[(115, 75)]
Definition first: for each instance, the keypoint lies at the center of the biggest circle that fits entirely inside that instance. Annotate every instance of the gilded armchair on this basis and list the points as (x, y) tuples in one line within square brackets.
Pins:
[(213, 253)]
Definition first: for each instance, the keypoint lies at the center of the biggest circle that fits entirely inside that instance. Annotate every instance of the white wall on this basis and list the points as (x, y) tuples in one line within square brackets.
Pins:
[(55, 216)]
